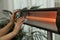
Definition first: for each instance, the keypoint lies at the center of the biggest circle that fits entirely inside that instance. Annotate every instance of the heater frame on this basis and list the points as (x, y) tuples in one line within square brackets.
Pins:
[(49, 32), (26, 13)]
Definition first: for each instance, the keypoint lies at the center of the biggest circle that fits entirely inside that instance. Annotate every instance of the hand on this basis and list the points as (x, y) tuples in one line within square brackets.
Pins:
[(12, 34), (19, 22), (13, 16), (18, 25)]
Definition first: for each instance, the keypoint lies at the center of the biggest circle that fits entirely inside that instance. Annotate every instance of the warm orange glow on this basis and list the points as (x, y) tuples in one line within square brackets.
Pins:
[(46, 14), (42, 19)]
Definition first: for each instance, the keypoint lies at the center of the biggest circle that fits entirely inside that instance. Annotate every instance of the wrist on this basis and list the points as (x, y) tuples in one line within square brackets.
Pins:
[(15, 31), (11, 22)]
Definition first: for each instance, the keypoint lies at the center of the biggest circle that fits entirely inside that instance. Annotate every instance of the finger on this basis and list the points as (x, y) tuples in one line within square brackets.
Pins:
[(13, 15), (20, 20), (17, 10)]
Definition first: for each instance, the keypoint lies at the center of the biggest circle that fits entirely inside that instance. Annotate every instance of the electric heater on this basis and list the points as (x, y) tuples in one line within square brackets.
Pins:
[(46, 18)]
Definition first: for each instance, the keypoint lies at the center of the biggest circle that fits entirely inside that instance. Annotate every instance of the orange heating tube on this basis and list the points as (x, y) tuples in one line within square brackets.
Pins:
[(49, 20), (48, 17)]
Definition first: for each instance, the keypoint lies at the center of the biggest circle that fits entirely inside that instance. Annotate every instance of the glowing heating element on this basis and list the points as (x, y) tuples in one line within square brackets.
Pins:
[(43, 16)]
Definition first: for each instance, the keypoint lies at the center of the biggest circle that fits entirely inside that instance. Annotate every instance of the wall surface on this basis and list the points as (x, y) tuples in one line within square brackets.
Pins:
[(57, 3), (7, 4), (1, 4), (11, 5)]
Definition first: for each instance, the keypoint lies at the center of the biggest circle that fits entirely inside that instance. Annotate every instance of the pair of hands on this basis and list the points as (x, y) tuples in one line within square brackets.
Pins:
[(17, 28), (13, 18)]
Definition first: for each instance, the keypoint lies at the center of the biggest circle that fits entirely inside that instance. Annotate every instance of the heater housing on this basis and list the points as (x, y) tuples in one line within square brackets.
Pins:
[(46, 18)]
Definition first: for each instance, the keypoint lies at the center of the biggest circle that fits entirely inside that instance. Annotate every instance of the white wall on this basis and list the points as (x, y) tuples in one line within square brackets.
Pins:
[(28, 3), (7, 4), (19, 4), (1, 5), (11, 5), (57, 3)]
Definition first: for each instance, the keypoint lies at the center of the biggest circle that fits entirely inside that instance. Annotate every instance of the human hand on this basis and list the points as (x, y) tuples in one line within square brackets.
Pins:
[(16, 30), (13, 16), (18, 24)]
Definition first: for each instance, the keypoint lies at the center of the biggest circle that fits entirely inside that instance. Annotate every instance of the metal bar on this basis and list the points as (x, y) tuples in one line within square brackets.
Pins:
[(49, 35)]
